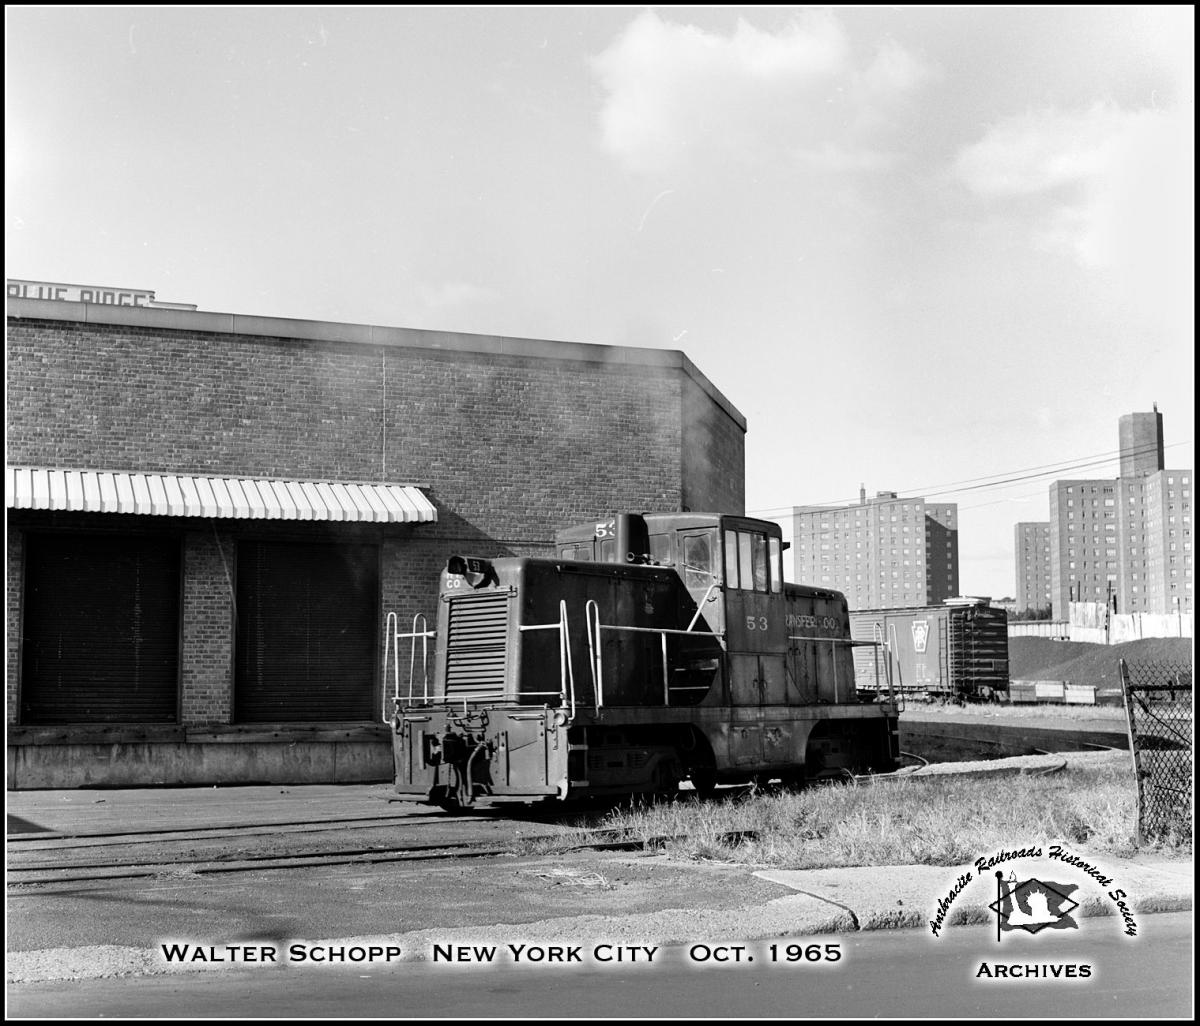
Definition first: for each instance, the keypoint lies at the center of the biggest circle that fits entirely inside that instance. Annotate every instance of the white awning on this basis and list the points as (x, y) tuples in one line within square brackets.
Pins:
[(238, 498)]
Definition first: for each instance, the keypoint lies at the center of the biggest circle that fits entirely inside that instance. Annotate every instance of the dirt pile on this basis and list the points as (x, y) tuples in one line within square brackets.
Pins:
[(1082, 663)]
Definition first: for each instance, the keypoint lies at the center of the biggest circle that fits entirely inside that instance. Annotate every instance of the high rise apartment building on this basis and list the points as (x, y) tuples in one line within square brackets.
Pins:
[(1129, 540), (1032, 544), (884, 552), (1156, 569), (1084, 542)]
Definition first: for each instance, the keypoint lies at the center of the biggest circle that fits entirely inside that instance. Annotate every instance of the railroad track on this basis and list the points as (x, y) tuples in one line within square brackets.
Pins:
[(40, 861), (97, 872), (58, 841)]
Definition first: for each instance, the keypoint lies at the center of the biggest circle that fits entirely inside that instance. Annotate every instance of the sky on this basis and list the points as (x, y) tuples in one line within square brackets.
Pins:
[(930, 250)]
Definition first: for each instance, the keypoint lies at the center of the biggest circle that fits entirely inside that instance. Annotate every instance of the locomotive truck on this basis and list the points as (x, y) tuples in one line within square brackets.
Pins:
[(652, 649)]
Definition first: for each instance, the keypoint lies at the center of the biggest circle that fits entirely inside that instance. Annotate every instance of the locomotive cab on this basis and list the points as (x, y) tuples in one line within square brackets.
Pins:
[(732, 567)]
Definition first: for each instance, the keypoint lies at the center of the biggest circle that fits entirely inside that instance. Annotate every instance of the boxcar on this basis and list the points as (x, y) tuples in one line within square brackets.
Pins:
[(957, 651)]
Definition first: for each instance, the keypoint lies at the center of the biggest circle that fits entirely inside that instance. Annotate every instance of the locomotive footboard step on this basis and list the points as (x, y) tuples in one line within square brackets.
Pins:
[(653, 649)]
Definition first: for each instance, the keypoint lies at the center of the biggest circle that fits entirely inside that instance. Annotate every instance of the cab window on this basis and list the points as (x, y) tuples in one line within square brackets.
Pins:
[(731, 559), (758, 550), (745, 561), (697, 560), (749, 565), (660, 548)]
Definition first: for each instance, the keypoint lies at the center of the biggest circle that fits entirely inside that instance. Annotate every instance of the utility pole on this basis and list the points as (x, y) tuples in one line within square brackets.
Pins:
[(1108, 614)]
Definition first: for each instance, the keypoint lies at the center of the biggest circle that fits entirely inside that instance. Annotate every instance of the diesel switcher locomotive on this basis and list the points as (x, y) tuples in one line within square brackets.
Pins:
[(652, 649)]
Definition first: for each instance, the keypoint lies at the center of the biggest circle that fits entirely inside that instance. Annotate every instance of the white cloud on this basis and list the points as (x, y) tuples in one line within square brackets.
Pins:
[(894, 72), (677, 93), (1110, 187)]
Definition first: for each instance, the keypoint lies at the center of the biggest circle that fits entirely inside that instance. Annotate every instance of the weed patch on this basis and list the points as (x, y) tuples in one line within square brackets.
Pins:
[(904, 821)]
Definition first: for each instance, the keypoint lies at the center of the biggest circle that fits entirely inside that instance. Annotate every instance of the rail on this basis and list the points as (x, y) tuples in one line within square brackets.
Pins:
[(591, 615), (566, 692), (391, 639)]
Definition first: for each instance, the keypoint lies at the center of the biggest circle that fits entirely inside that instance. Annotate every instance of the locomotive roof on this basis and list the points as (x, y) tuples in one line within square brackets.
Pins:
[(664, 521)]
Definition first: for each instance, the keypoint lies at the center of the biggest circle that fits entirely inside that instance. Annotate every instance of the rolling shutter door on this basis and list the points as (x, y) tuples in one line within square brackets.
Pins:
[(306, 636), (100, 629)]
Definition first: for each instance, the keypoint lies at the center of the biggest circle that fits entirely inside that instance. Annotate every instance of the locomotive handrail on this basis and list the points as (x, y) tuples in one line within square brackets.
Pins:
[(663, 630), (888, 673), (704, 601), (832, 641), (591, 611), (879, 642), (564, 654), (836, 641), (389, 626), (392, 638), (891, 633), (567, 690), (899, 669), (666, 671), (594, 627)]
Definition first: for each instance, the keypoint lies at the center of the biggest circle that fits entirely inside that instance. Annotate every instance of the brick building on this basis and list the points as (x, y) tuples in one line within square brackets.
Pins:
[(884, 553), (210, 515)]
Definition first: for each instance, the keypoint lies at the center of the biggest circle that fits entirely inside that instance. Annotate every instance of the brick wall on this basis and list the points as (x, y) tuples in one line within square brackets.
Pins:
[(714, 455), (515, 446), (206, 649), (511, 447)]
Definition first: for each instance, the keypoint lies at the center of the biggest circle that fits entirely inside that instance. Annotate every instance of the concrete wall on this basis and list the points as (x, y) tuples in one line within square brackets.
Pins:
[(1090, 622), (64, 759)]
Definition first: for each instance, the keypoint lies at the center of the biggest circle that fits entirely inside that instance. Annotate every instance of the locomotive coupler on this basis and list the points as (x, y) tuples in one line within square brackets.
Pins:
[(465, 758)]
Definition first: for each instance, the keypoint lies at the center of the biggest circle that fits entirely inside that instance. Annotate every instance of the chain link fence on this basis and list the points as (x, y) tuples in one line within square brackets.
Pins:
[(1158, 705)]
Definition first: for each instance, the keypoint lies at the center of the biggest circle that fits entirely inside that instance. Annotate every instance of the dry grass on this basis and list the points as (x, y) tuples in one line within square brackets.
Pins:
[(904, 821), (1115, 713)]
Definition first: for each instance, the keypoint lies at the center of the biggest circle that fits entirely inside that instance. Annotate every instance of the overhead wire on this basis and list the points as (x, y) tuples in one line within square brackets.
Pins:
[(989, 481)]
